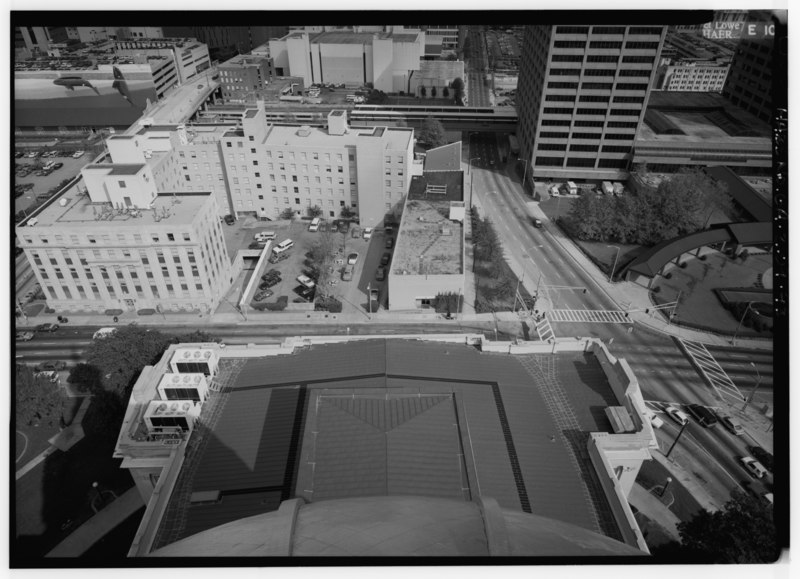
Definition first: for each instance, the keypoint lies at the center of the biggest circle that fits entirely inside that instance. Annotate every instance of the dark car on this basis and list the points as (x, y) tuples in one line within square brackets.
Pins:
[(257, 245), (279, 257), (385, 258), (58, 166), (344, 226), (51, 366), (389, 242), (262, 295), (537, 223), (304, 292), (380, 274), (47, 327), (229, 219), (763, 456), (703, 415), (19, 155)]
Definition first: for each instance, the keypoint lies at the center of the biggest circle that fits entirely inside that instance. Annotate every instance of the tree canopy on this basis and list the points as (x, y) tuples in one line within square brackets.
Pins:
[(38, 401), (86, 378), (287, 213), (121, 356), (458, 87), (679, 206), (432, 133), (742, 532), (314, 211)]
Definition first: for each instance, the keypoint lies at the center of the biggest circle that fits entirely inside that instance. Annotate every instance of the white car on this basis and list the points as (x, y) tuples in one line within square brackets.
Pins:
[(352, 258), (368, 232), (78, 154), (677, 414), (753, 466)]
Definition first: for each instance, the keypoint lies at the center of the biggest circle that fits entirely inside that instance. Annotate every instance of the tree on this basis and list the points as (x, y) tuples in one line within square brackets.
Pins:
[(432, 133), (377, 97), (346, 212), (423, 91), (445, 92), (287, 213), (458, 87), (86, 378), (742, 532), (314, 211), (195, 337), (38, 400), (121, 356)]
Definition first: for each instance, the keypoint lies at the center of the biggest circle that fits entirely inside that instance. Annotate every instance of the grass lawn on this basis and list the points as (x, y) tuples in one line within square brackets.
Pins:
[(32, 440), (653, 474)]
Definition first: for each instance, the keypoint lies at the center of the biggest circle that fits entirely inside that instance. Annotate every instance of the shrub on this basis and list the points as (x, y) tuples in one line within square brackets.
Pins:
[(656, 289), (682, 265), (278, 305), (449, 302), (668, 275)]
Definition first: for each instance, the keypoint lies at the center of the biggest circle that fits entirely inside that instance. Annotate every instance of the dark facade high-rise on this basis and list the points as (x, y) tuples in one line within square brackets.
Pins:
[(749, 82), (225, 42), (581, 97)]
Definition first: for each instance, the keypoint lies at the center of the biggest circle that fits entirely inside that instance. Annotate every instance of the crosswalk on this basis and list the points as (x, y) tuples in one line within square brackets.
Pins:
[(595, 316), (710, 368), (544, 330)]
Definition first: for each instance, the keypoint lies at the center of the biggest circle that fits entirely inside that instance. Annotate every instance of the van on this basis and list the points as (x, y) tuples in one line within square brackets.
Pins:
[(314, 224), (284, 245), (264, 236), (103, 333)]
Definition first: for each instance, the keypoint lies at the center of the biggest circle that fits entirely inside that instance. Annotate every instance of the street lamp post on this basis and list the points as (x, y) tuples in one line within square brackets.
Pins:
[(469, 169), (524, 174), (666, 484), (752, 394), (613, 267), (677, 438), (739, 327)]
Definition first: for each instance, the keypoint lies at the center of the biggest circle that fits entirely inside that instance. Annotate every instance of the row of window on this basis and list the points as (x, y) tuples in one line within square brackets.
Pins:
[(606, 44), (609, 30), (597, 85)]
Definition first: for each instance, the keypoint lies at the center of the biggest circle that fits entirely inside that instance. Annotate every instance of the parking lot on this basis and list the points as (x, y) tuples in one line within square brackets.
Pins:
[(352, 294), (41, 185)]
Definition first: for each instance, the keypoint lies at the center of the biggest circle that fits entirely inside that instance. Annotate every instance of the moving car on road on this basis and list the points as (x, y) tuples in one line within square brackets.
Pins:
[(25, 336), (731, 424), (51, 366), (754, 467), (677, 414), (47, 327)]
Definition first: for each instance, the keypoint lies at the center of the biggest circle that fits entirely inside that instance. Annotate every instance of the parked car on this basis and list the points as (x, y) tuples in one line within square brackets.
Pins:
[(262, 295), (78, 154), (58, 165), (385, 258), (51, 366), (703, 415), (352, 259), (389, 242), (368, 232), (677, 414), (380, 274), (279, 257), (47, 327), (754, 467), (731, 424), (229, 219), (25, 336), (344, 226), (764, 457)]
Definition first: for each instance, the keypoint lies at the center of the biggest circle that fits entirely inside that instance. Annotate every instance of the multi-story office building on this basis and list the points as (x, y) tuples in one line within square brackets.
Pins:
[(244, 75), (749, 83), (189, 56), (581, 97), (386, 59), (122, 244), (261, 170), (227, 41), (692, 76), (271, 168)]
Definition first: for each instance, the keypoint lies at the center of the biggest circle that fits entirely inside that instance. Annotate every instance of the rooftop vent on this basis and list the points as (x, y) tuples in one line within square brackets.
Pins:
[(304, 131)]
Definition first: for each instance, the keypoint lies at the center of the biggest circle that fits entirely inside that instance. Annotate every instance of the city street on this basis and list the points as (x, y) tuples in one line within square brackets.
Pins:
[(665, 374)]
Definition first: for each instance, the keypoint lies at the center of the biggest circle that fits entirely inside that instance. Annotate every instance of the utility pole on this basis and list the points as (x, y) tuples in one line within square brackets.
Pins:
[(613, 267)]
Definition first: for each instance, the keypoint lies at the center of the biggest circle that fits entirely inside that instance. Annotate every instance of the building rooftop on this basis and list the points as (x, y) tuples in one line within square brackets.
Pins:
[(375, 417), (291, 135), (167, 209), (677, 116), (428, 241), (351, 37), (243, 60)]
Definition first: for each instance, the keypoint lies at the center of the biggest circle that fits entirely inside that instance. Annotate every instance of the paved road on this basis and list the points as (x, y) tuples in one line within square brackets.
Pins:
[(665, 374)]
